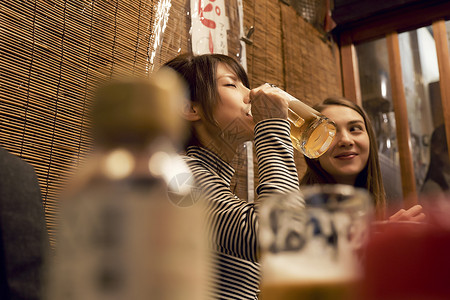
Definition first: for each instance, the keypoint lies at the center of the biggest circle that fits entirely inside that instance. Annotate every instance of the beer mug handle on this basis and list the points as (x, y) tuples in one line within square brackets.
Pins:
[(295, 119)]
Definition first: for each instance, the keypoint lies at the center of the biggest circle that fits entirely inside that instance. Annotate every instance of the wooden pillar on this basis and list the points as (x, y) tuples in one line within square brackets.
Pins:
[(350, 71), (440, 37), (401, 120)]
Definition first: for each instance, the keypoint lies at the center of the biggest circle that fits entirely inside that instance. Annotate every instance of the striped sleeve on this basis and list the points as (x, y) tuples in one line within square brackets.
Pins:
[(275, 154)]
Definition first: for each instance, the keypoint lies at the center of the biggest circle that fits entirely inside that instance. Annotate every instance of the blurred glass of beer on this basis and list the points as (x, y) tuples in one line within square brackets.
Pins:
[(309, 251), (287, 277)]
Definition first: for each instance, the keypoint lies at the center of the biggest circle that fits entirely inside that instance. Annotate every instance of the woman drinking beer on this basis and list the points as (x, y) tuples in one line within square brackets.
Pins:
[(223, 112)]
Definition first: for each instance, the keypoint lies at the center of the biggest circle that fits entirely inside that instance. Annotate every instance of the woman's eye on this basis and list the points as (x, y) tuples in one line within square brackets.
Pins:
[(230, 84), (356, 128)]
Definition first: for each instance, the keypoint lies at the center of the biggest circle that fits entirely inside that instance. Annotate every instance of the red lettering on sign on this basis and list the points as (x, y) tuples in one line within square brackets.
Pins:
[(207, 22)]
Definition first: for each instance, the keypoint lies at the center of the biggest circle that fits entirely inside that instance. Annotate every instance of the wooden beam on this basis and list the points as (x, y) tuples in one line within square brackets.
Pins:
[(350, 72), (401, 120), (337, 54), (351, 11), (440, 37), (406, 18)]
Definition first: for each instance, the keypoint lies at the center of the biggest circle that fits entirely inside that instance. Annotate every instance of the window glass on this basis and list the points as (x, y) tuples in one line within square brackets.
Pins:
[(376, 96), (421, 85)]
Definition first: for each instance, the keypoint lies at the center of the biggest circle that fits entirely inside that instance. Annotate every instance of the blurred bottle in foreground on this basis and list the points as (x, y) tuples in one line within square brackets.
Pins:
[(130, 224)]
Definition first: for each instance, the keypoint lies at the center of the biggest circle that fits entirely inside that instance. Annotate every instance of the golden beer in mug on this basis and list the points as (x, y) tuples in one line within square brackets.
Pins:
[(311, 132), (323, 290), (290, 276)]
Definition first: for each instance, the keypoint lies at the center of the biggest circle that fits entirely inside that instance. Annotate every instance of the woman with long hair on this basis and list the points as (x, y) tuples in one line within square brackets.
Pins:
[(353, 157)]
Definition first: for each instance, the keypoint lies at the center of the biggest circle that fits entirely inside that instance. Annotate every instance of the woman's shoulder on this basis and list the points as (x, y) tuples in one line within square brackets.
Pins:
[(192, 161), (199, 166)]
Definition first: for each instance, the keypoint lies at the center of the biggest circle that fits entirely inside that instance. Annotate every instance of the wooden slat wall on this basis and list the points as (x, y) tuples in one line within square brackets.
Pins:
[(311, 71), (265, 56), (290, 52)]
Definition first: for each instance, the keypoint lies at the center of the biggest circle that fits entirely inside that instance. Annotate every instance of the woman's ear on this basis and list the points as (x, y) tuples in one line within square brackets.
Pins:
[(190, 112)]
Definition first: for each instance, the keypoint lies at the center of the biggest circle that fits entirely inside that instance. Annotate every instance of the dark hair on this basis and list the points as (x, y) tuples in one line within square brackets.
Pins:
[(369, 178), (438, 148), (199, 72)]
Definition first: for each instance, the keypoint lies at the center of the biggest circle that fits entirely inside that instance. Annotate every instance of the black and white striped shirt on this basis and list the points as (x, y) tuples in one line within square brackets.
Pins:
[(233, 222)]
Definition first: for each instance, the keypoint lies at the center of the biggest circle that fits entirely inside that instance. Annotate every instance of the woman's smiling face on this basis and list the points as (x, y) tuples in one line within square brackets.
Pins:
[(349, 152)]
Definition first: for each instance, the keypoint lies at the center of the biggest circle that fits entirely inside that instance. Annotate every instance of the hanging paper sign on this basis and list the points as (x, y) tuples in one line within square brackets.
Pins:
[(209, 27)]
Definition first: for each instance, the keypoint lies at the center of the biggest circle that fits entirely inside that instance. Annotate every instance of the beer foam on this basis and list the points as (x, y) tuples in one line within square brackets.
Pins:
[(292, 267)]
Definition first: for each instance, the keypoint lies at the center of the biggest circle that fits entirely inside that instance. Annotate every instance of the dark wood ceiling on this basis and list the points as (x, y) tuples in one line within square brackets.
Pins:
[(372, 18)]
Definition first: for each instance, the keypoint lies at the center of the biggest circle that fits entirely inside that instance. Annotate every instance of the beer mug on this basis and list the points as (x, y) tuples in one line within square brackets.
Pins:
[(311, 132), (310, 251)]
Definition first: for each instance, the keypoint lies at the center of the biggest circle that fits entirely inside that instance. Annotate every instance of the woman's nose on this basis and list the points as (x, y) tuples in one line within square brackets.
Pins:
[(344, 138), (246, 93)]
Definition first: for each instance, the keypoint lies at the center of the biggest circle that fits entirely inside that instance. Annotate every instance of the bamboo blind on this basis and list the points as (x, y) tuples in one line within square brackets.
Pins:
[(264, 56), (312, 68), (53, 54)]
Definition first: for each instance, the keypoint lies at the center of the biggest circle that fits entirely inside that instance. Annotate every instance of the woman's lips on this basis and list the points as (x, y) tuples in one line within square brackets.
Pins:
[(347, 155)]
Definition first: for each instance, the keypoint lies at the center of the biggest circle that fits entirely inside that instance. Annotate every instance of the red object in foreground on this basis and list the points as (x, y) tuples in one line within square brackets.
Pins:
[(407, 260)]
